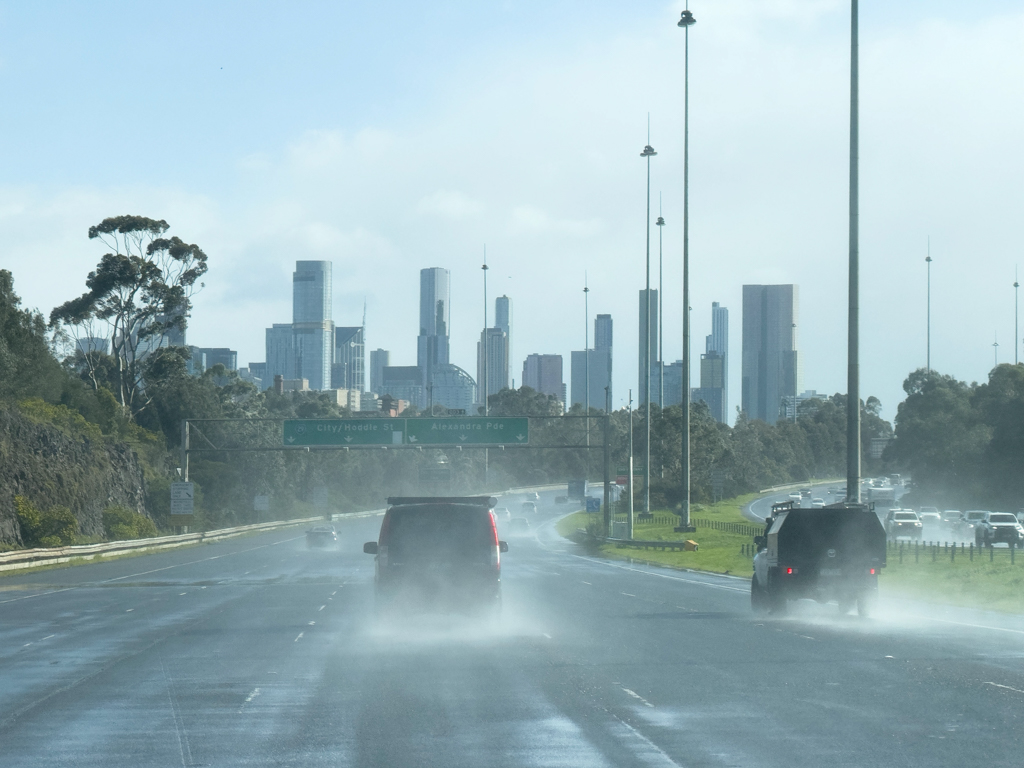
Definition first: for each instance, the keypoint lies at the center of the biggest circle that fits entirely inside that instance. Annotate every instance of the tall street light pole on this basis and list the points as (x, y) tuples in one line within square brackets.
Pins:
[(648, 153), (484, 351), (1016, 328), (928, 352), (853, 341), (995, 351), (686, 21), (661, 316), (586, 355)]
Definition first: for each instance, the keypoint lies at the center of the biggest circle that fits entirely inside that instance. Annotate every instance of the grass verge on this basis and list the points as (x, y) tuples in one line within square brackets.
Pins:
[(985, 584), (719, 551)]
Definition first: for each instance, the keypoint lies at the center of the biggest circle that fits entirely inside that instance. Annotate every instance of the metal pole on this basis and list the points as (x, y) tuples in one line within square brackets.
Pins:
[(1016, 329), (928, 261), (995, 351), (853, 342), (486, 411), (184, 450), (586, 355), (661, 319), (648, 153), (607, 464), (629, 521), (686, 21)]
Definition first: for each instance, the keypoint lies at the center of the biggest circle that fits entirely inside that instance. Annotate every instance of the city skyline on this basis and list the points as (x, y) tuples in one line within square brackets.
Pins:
[(397, 167)]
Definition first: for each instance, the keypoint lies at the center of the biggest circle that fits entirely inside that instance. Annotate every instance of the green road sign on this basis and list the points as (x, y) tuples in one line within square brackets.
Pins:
[(302, 432), (471, 430)]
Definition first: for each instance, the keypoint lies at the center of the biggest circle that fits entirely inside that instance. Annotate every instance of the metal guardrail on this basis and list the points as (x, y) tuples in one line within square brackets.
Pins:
[(32, 558), (638, 544), (20, 559)]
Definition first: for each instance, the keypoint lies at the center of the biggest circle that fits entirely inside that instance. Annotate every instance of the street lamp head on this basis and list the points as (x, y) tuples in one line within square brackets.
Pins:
[(648, 151), (660, 222), (484, 267), (687, 20), (586, 290), (928, 259)]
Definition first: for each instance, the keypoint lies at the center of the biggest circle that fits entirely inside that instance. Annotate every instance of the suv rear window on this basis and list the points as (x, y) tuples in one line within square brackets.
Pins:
[(906, 516), (440, 533)]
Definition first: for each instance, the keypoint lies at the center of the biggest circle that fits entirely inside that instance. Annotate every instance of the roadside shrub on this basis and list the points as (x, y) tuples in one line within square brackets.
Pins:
[(63, 418), (56, 527), (120, 523)]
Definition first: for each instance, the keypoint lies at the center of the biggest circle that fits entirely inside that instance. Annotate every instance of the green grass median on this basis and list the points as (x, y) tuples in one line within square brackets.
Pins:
[(718, 551), (991, 581)]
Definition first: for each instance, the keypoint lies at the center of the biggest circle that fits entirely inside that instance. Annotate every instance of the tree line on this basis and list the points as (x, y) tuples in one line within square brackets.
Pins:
[(137, 387)]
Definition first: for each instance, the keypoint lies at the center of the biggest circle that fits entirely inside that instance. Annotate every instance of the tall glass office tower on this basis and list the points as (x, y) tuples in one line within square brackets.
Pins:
[(432, 342), (312, 327)]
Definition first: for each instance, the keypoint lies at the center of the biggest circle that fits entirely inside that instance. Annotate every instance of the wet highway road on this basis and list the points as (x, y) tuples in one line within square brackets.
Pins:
[(256, 651)]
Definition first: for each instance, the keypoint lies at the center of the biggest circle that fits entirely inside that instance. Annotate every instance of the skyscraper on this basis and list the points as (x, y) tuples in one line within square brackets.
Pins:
[(349, 369), (453, 388), (503, 320), (641, 347), (543, 373), (280, 351), (599, 364), (771, 362), (312, 327), (603, 332), (379, 359), (494, 343), (714, 365), (435, 300)]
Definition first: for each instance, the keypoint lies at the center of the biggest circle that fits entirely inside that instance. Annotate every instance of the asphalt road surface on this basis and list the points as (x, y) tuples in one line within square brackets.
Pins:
[(259, 652)]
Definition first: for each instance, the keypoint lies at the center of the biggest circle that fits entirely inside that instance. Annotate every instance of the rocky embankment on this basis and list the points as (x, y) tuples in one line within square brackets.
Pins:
[(54, 466)]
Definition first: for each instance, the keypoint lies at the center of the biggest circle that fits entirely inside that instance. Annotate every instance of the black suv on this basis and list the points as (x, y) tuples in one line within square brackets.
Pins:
[(439, 554)]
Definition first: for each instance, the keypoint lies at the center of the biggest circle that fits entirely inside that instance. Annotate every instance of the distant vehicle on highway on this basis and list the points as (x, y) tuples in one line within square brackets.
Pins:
[(902, 522), (529, 508), (519, 526), (999, 528), (561, 499), (795, 496), (805, 493), (970, 522), (502, 513), (438, 553), (927, 511), (930, 521), (817, 503), (952, 521), (533, 496), (321, 536)]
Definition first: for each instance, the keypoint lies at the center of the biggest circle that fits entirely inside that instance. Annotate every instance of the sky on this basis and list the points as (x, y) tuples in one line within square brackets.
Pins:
[(388, 138)]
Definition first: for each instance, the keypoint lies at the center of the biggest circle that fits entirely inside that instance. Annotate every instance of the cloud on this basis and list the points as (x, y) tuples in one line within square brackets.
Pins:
[(449, 204)]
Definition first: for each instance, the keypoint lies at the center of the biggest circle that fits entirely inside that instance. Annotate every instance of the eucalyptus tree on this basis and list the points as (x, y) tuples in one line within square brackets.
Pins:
[(136, 298)]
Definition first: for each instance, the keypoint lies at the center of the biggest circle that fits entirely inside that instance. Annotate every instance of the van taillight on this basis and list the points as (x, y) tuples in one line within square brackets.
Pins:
[(495, 553), (790, 571), (872, 571)]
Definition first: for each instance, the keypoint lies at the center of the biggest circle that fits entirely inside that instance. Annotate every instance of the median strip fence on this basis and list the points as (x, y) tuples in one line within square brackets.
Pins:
[(902, 551)]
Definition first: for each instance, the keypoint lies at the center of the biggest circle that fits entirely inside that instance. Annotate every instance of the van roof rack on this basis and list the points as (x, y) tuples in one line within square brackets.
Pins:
[(401, 501)]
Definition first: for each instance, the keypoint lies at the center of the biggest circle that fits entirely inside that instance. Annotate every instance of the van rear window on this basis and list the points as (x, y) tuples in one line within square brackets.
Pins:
[(440, 532)]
